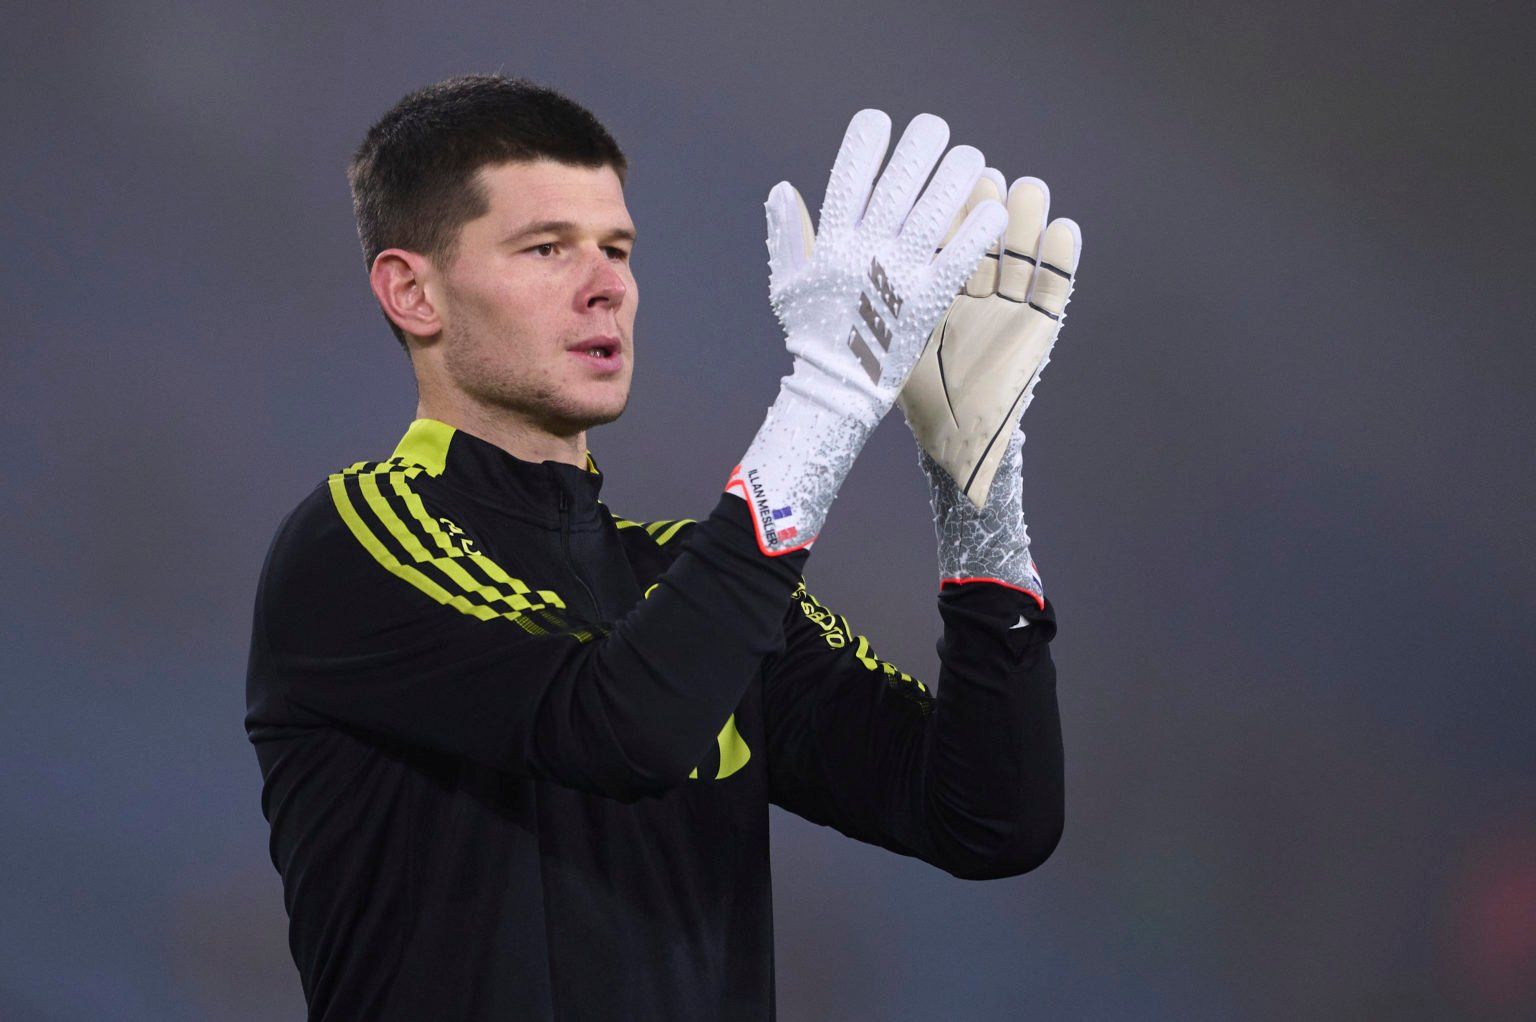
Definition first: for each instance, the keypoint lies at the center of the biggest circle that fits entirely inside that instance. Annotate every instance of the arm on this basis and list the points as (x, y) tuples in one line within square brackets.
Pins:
[(489, 669), (969, 780), (972, 781)]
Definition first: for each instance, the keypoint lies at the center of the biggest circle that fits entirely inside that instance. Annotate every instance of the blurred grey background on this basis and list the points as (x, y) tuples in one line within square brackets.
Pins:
[(1279, 474)]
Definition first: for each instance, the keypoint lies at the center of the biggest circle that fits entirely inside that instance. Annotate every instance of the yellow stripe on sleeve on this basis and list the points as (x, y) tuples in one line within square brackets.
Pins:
[(493, 571), (864, 655), (517, 600), (663, 531), (666, 537), (381, 554), (439, 573), (398, 482)]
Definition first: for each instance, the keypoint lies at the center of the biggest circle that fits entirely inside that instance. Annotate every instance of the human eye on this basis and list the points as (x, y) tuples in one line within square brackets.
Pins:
[(546, 249), (617, 253)]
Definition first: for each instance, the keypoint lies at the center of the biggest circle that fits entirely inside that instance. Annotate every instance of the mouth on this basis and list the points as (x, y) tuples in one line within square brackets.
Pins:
[(598, 347), (600, 350)]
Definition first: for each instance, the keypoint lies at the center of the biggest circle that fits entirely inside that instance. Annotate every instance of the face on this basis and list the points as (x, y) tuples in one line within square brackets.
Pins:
[(538, 302)]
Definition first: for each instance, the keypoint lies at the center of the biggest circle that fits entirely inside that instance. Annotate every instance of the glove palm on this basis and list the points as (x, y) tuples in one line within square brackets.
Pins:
[(978, 373)]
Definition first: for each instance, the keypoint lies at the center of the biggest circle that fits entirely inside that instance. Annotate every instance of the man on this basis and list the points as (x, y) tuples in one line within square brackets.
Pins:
[(517, 751)]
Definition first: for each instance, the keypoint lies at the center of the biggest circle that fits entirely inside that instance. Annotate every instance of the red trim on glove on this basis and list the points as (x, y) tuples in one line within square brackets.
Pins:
[(995, 581), (738, 486)]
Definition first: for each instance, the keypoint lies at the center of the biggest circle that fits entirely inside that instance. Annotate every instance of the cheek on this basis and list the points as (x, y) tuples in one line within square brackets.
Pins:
[(495, 293), (530, 309), (507, 324)]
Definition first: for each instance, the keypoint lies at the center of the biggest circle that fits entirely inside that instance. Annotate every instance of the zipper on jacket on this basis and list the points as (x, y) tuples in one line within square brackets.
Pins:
[(565, 548)]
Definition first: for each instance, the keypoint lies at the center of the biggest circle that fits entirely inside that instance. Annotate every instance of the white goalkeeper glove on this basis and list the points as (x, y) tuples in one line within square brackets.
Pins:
[(857, 300), (978, 374)]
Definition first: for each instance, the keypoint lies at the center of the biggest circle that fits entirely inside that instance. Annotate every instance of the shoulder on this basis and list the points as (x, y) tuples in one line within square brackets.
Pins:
[(367, 515), (377, 537), (358, 500)]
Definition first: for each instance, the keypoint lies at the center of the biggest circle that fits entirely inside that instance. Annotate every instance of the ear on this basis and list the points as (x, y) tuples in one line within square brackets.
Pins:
[(399, 280)]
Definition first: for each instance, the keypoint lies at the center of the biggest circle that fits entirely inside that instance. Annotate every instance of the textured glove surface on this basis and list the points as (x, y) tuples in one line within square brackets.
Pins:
[(857, 300), (989, 543)]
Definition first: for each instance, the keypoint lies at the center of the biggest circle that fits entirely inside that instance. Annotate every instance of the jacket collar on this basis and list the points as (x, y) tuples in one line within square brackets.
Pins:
[(485, 471)]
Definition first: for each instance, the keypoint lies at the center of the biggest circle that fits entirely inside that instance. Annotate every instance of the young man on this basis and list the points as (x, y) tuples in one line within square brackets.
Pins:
[(517, 751)]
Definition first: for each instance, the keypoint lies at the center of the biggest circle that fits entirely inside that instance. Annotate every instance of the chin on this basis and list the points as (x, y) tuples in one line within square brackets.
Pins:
[(606, 416), (582, 418), (607, 408)]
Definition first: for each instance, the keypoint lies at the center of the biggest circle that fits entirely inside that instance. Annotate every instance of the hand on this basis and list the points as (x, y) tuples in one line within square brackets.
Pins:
[(857, 300), (978, 373), (969, 390)]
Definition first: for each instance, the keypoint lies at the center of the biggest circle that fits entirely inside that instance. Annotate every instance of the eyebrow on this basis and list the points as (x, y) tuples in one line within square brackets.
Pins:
[(567, 227)]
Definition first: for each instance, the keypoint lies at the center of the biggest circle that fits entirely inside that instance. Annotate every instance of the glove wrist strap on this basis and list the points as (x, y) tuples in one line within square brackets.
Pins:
[(797, 462), (989, 544)]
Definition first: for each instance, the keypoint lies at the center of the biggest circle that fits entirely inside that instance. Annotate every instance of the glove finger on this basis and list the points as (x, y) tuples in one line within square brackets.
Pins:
[(958, 259), (991, 176), (853, 174), (944, 197), (920, 147), (983, 282), (1059, 251), (1029, 200), (790, 235)]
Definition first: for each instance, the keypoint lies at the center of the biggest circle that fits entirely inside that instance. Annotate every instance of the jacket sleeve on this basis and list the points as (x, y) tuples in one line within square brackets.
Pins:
[(382, 643), (969, 779)]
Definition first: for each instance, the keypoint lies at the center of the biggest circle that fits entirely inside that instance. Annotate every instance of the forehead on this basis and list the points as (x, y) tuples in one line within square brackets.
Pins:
[(523, 192)]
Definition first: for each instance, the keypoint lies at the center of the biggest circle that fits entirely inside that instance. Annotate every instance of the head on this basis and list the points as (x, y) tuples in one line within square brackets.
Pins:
[(492, 219)]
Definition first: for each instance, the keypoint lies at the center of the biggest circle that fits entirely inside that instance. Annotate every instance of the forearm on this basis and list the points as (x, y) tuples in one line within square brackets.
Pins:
[(991, 788), (969, 781), (638, 705)]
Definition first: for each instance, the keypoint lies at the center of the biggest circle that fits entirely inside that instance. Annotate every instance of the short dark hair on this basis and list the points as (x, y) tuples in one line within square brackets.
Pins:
[(414, 176)]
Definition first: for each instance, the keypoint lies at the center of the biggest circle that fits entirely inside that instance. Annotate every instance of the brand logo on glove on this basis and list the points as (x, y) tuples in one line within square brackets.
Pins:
[(872, 319), (882, 284), (874, 322), (867, 358)]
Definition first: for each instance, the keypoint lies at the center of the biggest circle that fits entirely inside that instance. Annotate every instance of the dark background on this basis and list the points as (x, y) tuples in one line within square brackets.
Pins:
[(1279, 474)]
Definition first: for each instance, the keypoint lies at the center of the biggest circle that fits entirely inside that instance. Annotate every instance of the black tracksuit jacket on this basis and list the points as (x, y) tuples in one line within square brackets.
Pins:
[(518, 753)]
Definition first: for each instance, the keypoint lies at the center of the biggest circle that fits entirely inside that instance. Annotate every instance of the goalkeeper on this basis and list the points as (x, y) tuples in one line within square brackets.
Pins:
[(518, 751)]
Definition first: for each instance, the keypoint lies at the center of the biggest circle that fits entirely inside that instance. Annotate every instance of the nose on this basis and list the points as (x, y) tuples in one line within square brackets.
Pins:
[(606, 283)]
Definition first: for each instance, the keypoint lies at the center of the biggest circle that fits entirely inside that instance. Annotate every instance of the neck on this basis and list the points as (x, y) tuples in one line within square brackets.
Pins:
[(518, 438)]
